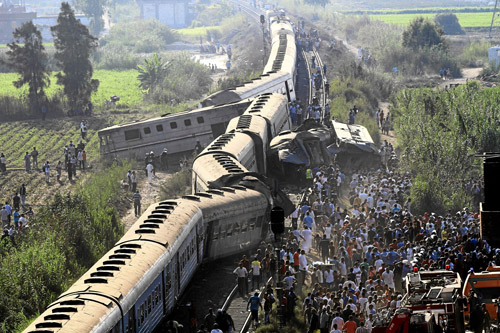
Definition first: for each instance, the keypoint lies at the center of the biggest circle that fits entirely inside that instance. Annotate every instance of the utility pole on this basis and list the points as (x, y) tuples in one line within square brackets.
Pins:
[(493, 17)]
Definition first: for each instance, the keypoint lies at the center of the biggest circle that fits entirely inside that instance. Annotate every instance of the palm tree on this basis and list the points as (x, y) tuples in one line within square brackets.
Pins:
[(153, 72)]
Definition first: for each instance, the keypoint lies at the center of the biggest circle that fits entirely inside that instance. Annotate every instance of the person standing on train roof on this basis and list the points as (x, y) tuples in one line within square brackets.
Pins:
[(149, 170)]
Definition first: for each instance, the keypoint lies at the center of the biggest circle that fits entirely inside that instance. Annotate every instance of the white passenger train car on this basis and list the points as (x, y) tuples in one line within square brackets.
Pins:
[(138, 281), (178, 132)]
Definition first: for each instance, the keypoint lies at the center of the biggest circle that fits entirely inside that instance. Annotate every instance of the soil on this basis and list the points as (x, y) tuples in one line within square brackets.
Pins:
[(150, 193)]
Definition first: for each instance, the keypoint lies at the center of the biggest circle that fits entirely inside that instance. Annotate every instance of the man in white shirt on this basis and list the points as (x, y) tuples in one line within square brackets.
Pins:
[(302, 267), (329, 277), (242, 273), (338, 321), (388, 277), (149, 169)]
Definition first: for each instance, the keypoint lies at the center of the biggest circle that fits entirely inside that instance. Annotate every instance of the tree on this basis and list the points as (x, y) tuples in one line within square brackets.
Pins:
[(93, 9), (321, 3), (449, 23), (423, 33), (153, 72), (73, 44), (27, 56)]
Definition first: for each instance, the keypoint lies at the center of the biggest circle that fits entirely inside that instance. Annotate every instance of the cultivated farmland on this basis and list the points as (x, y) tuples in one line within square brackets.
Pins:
[(121, 83), (466, 20)]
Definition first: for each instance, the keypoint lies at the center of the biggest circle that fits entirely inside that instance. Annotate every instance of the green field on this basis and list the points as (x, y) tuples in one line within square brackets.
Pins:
[(199, 31), (121, 83), (423, 10), (467, 20)]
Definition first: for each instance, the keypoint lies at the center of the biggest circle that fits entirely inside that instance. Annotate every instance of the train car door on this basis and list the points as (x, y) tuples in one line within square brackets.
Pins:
[(169, 297), (218, 129), (207, 240), (177, 275), (287, 92), (129, 322)]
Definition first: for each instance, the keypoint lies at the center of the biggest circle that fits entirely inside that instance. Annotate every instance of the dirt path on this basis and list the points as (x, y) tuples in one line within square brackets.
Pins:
[(467, 74), (150, 194)]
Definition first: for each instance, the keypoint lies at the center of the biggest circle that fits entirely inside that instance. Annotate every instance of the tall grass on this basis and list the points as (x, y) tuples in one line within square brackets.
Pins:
[(476, 54), (63, 240)]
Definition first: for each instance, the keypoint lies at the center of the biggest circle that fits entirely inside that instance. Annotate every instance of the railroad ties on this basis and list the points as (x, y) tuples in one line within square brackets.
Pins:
[(317, 77)]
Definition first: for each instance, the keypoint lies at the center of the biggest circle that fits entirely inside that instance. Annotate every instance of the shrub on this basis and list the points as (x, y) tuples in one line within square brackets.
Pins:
[(178, 185), (449, 23), (140, 36), (187, 79)]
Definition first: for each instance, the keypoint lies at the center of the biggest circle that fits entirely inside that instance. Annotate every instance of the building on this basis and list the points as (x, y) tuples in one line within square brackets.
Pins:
[(12, 15), (494, 55), (43, 23), (173, 13)]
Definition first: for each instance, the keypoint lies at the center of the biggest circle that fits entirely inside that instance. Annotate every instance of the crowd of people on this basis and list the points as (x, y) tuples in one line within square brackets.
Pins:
[(343, 264), (367, 248), (15, 214)]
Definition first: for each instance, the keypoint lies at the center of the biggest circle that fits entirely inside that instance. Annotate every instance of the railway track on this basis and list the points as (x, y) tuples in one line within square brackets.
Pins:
[(253, 12), (317, 95)]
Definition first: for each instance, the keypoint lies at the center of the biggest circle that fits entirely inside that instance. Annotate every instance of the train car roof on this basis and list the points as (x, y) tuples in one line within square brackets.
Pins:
[(239, 198), (260, 85), (222, 97), (355, 136), (211, 167), (266, 105), (248, 122), (171, 116), (283, 52), (123, 272)]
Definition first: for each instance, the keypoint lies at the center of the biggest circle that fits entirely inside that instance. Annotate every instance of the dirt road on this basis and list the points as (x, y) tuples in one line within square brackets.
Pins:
[(150, 194)]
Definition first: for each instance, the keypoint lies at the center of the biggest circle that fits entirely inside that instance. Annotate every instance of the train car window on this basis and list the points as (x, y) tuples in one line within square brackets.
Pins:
[(200, 120), (173, 125), (222, 232), (133, 134), (159, 128), (187, 122), (229, 230), (142, 315), (149, 304), (236, 228), (244, 226), (215, 229), (147, 130), (252, 224)]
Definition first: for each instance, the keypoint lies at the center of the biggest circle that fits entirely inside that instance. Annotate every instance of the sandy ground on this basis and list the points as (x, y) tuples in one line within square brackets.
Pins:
[(467, 74), (150, 194)]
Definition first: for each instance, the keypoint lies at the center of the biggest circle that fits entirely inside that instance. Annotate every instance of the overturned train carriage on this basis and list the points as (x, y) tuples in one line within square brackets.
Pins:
[(178, 132), (137, 282)]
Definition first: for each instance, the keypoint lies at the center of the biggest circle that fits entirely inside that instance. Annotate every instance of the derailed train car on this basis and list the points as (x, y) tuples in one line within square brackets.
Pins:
[(178, 132), (291, 153), (245, 142), (278, 75), (137, 282)]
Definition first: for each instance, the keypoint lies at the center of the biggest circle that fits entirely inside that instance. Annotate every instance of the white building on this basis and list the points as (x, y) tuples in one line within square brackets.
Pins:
[(173, 13), (493, 55)]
